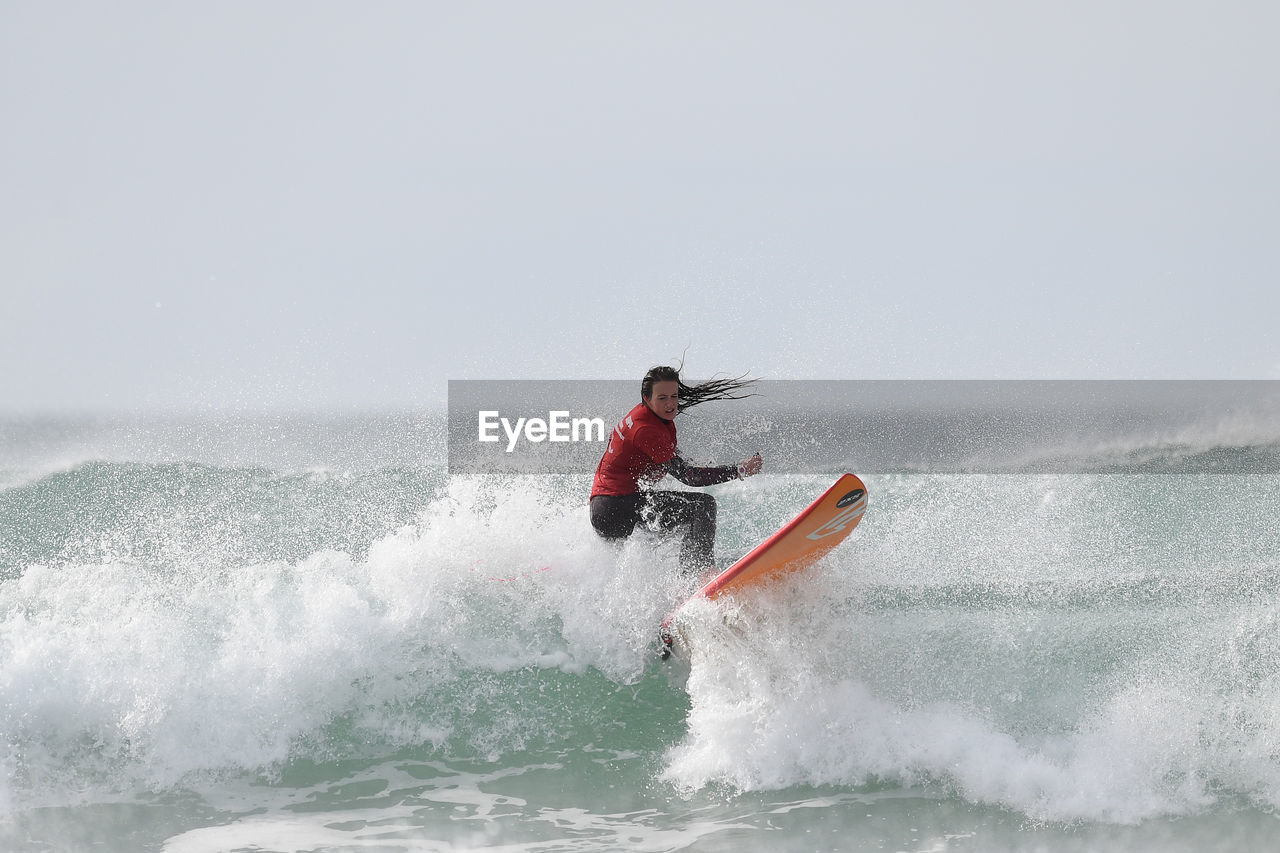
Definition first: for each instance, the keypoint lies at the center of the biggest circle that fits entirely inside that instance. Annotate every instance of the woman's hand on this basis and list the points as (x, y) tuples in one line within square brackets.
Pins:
[(749, 467)]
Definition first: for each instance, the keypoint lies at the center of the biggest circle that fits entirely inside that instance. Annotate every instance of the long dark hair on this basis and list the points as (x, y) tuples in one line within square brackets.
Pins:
[(692, 395)]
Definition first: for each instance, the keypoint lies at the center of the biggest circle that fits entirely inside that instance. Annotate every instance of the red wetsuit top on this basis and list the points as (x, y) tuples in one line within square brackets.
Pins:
[(637, 449), (643, 447)]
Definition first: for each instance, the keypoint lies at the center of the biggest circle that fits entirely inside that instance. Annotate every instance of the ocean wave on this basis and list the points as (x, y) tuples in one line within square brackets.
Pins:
[(1069, 647), (1060, 719), (188, 514), (144, 673)]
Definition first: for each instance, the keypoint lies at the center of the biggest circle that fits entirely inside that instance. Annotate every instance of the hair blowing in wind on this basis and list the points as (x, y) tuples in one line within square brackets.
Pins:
[(692, 395)]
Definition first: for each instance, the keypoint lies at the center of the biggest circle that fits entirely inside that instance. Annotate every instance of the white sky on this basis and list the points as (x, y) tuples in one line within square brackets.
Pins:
[(318, 205)]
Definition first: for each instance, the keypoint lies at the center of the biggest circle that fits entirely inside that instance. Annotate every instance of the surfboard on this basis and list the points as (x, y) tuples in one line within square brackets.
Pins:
[(796, 545)]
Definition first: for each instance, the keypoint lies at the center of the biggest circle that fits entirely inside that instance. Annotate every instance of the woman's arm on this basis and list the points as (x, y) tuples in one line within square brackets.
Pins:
[(710, 476)]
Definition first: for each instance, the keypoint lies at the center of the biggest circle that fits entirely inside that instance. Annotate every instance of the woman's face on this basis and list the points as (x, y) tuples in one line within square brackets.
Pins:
[(665, 400)]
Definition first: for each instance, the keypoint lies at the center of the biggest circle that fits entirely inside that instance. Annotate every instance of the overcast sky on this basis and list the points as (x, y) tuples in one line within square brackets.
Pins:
[(322, 205)]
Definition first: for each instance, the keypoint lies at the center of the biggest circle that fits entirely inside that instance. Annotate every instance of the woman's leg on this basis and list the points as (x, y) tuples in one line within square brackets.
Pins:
[(669, 510), (615, 516)]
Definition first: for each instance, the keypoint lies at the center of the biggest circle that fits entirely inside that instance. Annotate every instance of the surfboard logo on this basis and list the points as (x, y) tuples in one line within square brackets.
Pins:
[(851, 516), (850, 498)]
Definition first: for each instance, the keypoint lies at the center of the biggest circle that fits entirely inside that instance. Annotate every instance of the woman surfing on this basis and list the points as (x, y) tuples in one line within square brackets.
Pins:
[(642, 449)]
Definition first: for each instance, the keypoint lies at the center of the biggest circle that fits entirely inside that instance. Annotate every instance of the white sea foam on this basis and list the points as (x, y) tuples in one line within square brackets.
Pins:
[(1087, 648), (121, 674), (1171, 734)]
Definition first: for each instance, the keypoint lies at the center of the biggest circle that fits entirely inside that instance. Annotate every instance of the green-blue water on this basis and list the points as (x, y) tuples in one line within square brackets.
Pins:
[(302, 634)]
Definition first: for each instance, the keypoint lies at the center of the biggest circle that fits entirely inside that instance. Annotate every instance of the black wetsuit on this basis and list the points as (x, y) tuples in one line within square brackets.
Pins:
[(615, 516)]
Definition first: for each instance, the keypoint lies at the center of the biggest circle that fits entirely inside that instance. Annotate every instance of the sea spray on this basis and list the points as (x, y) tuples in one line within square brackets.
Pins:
[(190, 643), (1055, 677)]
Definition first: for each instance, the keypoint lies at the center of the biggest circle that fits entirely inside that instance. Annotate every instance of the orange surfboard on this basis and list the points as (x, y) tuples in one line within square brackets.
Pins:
[(799, 543)]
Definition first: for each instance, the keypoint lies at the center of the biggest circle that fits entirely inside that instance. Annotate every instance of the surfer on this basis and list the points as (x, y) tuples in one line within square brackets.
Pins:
[(642, 449)]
